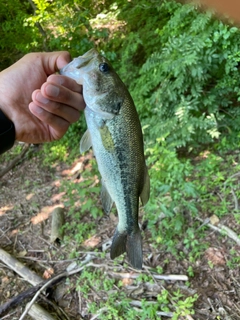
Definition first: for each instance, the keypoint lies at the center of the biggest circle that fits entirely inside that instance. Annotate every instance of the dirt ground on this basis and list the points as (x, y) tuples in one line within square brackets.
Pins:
[(29, 194)]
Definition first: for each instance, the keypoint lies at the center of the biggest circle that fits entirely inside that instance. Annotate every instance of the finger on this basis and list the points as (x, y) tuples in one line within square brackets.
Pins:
[(63, 95), (58, 126), (66, 112), (65, 81), (54, 61)]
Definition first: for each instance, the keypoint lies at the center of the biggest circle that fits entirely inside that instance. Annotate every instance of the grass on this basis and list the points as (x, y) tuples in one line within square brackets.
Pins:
[(181, 191)]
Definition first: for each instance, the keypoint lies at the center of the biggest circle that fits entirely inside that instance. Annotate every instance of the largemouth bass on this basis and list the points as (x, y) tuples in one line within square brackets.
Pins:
[(114, 132)]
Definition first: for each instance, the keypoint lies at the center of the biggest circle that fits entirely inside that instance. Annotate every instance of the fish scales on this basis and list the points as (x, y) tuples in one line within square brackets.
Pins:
[(115, 134)]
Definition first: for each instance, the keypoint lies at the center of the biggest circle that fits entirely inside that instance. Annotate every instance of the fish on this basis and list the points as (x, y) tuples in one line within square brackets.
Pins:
[(115, 135)]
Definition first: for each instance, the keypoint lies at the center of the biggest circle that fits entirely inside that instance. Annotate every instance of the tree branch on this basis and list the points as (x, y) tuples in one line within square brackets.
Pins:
[(15, 161)]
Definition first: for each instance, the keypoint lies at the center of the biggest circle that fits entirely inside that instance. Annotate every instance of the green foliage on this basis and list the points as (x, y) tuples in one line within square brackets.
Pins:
[(7, 156), (172, 195), (216, 194), (14, 36), (117, 304), (182, 68), (184, 78), (81, 199), (180, 65), (66, 149), (180, 190)]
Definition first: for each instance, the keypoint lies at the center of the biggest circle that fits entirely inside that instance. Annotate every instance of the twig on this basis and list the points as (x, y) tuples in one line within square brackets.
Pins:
[(47, 261), (235, 200), (38, 313), (19, 268), (168, 277), (57, 309), (221, 228), (49, 282), (233, 193), (8, 315), (237, 174), (31, 277), (20, 298), (15, 161)]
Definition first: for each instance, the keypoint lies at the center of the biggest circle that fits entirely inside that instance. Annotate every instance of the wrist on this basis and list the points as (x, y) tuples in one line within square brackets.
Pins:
[(7, 133)]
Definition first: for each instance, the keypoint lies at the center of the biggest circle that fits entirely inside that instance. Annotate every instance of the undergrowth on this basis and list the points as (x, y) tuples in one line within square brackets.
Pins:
[(182, 69)]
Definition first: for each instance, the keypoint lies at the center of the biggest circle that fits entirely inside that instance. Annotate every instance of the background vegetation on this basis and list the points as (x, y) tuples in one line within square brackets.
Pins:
[(181, 66)]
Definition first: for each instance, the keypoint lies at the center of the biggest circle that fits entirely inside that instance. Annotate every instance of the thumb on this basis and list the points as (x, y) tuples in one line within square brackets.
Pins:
[(53, 61)]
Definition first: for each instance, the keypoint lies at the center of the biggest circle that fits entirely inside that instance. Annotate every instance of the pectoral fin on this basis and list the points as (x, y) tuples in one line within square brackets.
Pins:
[(106, 199), (85, 142), (107, 139), (146, 188)]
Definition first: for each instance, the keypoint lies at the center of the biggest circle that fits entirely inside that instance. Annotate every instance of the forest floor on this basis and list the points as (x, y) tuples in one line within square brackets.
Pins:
[(29, 194)]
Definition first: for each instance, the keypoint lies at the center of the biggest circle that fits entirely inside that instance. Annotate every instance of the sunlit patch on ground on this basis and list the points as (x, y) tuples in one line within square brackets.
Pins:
[(4, 209)]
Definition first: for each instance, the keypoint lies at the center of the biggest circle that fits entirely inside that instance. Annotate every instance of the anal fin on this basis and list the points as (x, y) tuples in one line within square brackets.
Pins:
[(144, 196)]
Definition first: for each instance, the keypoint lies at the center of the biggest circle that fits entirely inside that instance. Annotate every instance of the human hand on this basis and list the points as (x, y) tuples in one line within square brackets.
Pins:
[(41, 104)]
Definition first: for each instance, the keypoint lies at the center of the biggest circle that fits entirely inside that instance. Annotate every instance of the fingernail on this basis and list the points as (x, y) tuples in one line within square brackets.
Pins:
[(52, 91), (38, 110), (41, 98)]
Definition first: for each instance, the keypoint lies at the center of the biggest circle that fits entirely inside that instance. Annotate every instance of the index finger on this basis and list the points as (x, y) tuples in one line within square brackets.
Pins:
[(65, 81)]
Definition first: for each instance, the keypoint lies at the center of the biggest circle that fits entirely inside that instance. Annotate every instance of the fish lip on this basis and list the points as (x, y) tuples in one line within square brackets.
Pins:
[(74, 69), (90, 53), (83, 60)]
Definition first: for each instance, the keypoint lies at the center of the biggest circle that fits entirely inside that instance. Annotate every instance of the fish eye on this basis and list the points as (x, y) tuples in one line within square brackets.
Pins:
[(104, 67)]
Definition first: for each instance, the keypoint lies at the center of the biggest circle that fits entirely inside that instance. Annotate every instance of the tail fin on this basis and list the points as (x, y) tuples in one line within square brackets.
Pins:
[(132, 244)]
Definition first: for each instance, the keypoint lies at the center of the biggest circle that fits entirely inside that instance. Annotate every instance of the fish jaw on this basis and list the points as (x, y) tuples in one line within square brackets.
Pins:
[(71, 70), (75, 69)]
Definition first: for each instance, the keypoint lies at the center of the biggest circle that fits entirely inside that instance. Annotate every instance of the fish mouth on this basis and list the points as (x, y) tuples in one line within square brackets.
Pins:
[(90, 54), (83, 60), (74, 69)]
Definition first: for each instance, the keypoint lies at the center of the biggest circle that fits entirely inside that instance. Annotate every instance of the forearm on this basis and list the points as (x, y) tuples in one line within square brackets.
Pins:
[(230, 8)]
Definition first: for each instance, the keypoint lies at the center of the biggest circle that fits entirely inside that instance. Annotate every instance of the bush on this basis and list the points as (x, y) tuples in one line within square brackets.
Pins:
[(181, 66)]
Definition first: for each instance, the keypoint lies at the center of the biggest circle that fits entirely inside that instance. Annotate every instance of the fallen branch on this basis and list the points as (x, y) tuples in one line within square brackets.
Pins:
[(15, 161), (223, 229), (32, 278), (38, 313), (19, 268), (167, 277), (57, 223), (55, 280), (13, 302)]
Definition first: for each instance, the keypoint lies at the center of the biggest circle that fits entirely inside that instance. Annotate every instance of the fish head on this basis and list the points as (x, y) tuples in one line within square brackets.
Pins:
[(103, 90)]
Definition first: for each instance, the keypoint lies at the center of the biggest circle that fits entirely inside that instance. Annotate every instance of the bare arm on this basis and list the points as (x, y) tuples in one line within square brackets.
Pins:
[(231, 8)]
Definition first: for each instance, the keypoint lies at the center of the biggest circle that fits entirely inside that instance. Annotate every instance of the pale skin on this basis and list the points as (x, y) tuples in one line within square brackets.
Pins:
[(230, 8), (40, 103)]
